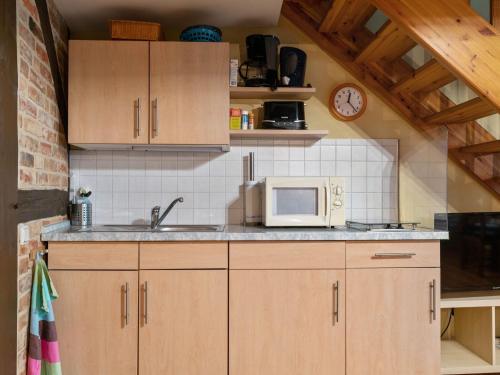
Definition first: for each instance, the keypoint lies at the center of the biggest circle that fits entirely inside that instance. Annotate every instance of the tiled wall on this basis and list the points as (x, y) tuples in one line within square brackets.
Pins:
[(127, 184)]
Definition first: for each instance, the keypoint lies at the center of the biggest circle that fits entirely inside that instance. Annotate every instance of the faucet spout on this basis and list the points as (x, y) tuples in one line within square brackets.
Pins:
[(156, 219)]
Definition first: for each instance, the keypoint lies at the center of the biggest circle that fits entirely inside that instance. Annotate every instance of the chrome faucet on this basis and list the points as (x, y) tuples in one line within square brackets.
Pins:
[(156, 219)]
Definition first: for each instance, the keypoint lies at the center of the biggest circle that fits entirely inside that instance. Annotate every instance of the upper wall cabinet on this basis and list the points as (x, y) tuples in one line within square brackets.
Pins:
[(108, 92), (189, 93), (141, 93)]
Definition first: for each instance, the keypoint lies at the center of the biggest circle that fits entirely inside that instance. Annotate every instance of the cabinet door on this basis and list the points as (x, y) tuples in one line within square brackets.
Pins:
[(108, 95), (285, 322), (94, 335), (189, 93), (391, 329), (183, 322)]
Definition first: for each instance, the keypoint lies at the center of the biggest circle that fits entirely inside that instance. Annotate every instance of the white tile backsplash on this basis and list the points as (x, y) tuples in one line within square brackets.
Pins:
[(127, 184)]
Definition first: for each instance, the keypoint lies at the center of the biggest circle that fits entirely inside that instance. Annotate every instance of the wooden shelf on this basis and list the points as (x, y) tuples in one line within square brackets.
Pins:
[(290, 93), (273, 133), (457, 359), (470, 301)]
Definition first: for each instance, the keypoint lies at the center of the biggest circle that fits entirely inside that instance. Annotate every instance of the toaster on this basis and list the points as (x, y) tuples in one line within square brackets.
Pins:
[(284, 115)]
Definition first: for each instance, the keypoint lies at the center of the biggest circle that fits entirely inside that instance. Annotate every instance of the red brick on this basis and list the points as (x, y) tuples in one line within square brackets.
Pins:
[(45, 148), (31, 8), (25, 176), (26, 159), (24, 68), (26, 35), (42, 53), (28, 143), (42, 179), (27, 107)]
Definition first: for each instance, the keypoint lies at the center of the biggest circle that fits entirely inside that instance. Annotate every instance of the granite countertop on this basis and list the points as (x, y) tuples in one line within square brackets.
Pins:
[(63, 232)]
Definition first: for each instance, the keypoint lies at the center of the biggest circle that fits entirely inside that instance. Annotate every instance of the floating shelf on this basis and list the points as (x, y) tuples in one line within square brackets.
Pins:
[(272, 133), (290, 93), (457, 359)]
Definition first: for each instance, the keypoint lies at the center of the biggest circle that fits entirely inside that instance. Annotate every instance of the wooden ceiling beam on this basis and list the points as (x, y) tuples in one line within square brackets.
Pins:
[(468, 111), (390, 43), (458, 38), (483, 148), (429, 77), (346, 16)]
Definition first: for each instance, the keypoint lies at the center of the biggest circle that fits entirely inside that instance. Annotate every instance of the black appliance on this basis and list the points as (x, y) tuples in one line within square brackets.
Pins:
[(470, 259), (261, 67), (284, 115), (292, 66)]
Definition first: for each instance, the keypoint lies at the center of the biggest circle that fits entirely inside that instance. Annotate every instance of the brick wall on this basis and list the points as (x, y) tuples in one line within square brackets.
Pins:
[(43, 159)]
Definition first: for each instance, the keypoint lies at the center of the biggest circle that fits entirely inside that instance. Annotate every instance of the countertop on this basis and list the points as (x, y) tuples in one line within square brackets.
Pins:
[(63, 232)]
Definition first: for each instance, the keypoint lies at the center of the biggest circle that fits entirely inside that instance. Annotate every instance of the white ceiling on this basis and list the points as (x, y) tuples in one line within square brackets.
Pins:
[(91, 16)]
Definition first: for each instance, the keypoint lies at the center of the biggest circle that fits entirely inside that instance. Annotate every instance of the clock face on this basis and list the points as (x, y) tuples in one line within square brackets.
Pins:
[(347, 102)]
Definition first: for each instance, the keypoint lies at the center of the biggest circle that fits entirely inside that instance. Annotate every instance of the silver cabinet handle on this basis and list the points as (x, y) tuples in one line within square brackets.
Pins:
[(127, 314), (335, 302), (432, 288), (145, 290), (155, 117), (393, 255), (138, 117)]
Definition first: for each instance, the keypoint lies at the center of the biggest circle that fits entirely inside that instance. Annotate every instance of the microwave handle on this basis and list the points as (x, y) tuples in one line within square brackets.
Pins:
[(327, 200)]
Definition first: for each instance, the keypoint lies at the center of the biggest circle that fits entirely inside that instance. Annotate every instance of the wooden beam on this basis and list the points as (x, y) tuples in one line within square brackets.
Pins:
[(345, 16), (458, 38), (428, 77), (468, 111), (483, 148), (39, 204), (390, 43), (43, 13)]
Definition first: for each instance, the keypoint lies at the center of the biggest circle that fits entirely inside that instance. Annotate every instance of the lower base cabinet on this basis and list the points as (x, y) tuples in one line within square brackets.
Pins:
[(287, 322), (95, 334), (183, 322), (393, 321)]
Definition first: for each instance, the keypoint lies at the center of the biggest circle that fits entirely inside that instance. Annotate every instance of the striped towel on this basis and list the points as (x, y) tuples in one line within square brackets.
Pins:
[(43, 351)]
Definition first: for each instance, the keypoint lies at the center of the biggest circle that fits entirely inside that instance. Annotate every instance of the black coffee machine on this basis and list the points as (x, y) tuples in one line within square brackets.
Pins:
[(292, 66), (261, 67)]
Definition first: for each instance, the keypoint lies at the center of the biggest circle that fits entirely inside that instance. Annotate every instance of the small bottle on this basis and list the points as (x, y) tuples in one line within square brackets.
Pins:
[(251, 121), (244, 120)]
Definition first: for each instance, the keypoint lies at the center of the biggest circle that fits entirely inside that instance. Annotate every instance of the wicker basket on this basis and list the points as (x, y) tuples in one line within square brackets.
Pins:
[(134, 30)]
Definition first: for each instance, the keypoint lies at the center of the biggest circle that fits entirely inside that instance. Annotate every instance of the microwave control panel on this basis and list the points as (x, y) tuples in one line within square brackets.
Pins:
[(337, 189)]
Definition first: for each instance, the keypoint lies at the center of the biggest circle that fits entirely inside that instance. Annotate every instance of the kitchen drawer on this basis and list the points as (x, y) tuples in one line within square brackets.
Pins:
[(381, 254), (183, 255), (287, 255), (93, 255)]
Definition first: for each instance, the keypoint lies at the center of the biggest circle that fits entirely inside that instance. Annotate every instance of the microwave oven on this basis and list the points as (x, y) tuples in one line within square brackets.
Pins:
[(303, 202)]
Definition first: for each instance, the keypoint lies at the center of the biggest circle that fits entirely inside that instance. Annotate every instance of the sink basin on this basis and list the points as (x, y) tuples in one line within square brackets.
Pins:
[(147, 228)]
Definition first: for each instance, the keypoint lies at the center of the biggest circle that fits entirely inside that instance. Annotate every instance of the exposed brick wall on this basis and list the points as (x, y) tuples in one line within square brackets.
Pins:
[(43, 159)]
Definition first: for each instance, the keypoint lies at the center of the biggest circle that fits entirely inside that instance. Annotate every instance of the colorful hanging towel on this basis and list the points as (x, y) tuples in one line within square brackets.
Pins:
[(43, 350)]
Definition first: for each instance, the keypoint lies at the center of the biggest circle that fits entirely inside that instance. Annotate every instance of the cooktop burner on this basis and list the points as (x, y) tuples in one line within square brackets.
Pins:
[(382, 226)]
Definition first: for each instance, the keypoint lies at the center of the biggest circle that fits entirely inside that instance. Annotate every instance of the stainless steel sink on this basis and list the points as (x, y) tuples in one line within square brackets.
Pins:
[(147, 228)]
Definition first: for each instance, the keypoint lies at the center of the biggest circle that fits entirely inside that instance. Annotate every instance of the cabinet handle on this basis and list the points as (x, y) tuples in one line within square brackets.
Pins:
[(126, 315), (155, 117), (432, 288), (335, 302), (145, 290), (138, 117), (393, 255)]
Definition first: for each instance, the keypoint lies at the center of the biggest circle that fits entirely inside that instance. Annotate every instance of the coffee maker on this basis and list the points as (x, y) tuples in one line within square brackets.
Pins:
[(261, 67)]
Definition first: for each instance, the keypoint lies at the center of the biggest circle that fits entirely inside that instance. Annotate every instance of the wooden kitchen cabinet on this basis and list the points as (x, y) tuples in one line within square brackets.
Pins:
[(286, 322), (108, 95), (189, 93), (183, 322), (95, 336), (393, 321)]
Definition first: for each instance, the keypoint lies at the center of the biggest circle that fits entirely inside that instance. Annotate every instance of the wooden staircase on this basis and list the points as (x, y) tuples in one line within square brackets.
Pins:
[(463, 45)]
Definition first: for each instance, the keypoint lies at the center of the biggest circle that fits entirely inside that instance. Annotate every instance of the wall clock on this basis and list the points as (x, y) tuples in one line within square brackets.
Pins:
[(347, 102)]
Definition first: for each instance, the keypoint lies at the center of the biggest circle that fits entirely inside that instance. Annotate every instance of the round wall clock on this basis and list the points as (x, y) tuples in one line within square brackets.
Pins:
[(347, 102)]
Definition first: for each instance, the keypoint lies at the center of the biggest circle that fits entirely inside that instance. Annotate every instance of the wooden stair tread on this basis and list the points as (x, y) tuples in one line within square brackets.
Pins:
[(468, 111), (344, 16), (389, 44), (483, 148), (471, 50), (428, 77)]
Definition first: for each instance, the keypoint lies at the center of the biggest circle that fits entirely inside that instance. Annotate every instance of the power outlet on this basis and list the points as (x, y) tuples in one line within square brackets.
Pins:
[(24, 234)]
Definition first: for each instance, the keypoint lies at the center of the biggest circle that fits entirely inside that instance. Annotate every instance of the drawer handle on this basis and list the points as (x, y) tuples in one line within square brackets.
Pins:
[(155, 117), (335, 302), (394, 255), (138, 117)]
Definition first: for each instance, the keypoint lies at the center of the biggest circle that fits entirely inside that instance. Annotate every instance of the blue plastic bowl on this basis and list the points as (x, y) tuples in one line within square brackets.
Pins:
[(201, 33)]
